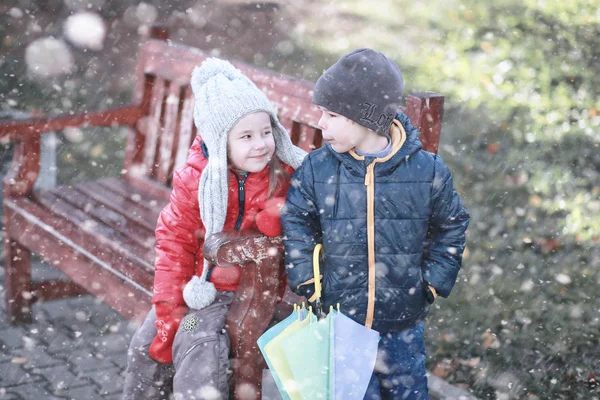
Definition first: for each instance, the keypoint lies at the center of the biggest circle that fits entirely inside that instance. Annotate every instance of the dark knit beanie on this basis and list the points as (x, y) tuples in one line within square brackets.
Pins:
[(364, 86)]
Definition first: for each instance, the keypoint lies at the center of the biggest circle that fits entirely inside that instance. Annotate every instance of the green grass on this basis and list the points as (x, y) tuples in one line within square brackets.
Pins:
[(523, 320)]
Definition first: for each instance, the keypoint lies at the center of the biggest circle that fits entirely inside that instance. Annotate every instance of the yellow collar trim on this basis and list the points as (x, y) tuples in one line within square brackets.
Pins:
[(398, 136)]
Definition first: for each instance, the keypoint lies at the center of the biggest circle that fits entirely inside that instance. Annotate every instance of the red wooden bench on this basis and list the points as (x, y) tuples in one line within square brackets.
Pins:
[(101, 233)]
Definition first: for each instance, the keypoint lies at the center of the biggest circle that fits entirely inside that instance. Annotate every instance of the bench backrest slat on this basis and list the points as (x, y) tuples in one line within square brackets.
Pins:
[(153, 124), (169, 134), (187, 129)]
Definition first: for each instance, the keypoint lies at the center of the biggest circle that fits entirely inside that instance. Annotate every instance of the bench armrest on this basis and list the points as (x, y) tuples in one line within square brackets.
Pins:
[(231, 248), (26, 134), (23, 129)]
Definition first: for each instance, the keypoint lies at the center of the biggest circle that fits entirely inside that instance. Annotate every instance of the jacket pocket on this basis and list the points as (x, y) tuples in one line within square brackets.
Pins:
[(204, 368)]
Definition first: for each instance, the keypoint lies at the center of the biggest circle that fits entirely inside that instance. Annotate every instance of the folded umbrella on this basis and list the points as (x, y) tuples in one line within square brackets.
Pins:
[(332, 358)]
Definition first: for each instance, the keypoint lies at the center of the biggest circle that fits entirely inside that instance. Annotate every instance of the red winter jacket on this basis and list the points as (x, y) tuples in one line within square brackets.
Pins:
[(180, 237), (180, 233)]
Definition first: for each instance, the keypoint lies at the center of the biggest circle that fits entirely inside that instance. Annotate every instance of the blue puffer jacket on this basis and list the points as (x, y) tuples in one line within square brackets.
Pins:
[(389, 227)]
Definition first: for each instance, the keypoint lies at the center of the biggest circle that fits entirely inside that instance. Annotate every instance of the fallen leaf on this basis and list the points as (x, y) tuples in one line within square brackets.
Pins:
[(493, 148), (547, 245), (444, 368), (448, 338), (490, 341), (486, 46), (535, 200)]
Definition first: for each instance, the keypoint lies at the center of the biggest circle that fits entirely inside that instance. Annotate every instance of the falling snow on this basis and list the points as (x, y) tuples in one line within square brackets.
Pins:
[(86, 30), (49, 57)]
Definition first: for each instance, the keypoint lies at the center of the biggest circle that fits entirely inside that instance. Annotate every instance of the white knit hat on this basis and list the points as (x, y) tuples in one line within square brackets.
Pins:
[(224, 95)]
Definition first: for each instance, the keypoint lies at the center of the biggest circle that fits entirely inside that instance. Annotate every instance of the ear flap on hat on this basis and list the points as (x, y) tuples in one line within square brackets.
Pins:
[(284, 148)]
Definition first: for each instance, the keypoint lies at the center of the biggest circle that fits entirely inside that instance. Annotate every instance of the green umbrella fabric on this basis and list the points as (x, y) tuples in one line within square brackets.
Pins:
[(267, 337), (279, 363), (309, 355)]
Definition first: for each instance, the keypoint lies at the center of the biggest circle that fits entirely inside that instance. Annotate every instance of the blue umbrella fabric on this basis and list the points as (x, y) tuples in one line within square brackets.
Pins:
[(354, 356)]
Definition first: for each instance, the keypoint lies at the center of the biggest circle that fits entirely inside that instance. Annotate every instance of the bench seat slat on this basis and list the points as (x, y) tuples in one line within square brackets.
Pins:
[(56, 289), (122, 205), (78, 253), (105, 236), (150, 201), (149, 186), (92, 214), (69, 250)]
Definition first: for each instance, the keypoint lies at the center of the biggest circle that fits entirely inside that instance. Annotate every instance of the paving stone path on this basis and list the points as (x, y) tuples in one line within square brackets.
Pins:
[(75, 349)]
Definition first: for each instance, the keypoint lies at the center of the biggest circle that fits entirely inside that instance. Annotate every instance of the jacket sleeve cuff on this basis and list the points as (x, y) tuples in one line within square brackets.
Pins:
[(442, 283), (430, 294), (307, 289)]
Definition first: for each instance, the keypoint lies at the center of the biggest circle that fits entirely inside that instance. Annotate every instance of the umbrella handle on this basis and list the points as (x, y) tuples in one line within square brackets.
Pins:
[(316, 271), (318, 306), (319, 309)]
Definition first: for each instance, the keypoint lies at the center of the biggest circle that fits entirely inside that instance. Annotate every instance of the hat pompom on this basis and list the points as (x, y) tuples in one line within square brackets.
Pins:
[(210, 68), (199, 293)]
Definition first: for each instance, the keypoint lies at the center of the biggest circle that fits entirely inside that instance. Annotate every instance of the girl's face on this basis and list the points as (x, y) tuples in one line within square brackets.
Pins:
[(250, 143)]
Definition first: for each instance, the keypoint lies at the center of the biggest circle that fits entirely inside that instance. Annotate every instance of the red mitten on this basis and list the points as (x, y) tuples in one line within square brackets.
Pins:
[(168, 317), (267, 220)]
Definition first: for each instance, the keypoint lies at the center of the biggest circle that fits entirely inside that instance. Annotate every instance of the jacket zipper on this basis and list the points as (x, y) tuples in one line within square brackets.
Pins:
[(337, 192), (240, 218), (370, 184), (241, 199)]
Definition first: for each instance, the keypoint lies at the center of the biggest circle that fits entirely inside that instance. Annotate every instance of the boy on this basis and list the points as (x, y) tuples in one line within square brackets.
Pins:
[(391, 223)]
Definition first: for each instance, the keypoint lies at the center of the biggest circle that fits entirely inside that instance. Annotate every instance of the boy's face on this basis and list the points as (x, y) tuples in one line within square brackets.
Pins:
[(250, 143), (341, 133)]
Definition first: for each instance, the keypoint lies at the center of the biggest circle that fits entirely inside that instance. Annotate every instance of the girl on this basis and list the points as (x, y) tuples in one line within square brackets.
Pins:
[(237, 171)]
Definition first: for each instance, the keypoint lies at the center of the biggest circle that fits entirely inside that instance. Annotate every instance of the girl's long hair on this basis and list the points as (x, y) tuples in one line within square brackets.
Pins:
[(277, 175)]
